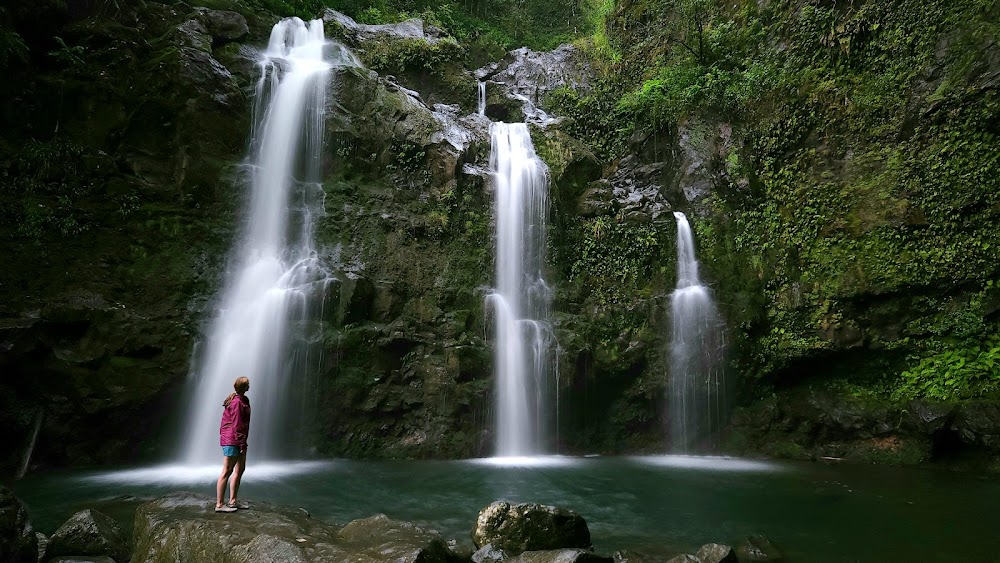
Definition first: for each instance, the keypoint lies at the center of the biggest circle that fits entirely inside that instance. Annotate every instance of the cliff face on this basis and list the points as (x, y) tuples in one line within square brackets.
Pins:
[(839, 165)]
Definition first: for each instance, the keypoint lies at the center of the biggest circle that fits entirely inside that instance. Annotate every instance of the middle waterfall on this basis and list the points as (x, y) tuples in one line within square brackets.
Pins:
[(520, 301)]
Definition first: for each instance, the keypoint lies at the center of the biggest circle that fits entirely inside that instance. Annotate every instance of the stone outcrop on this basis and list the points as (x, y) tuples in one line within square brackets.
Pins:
[(184, 526), (813, 424), (18, 543), (516, 528)]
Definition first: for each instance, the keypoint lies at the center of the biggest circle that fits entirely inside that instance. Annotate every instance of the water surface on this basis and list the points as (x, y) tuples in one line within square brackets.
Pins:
[(657, 505)]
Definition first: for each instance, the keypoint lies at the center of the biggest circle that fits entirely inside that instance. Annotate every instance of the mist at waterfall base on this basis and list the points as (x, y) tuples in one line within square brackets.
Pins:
[(270, 306), (520, 301), (697, 383)]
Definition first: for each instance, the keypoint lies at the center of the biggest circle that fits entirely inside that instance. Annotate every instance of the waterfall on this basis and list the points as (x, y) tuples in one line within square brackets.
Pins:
[(272, 298), (520, 301), (697, 382), (481, 105), (32, 439)]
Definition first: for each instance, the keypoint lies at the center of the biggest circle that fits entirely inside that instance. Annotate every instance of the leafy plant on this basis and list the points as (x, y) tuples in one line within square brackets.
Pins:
[(956, 373)]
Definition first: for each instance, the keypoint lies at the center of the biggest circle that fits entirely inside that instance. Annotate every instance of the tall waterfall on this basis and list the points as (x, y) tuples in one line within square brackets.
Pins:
[(275, 283), (697, 382), (520, 301)]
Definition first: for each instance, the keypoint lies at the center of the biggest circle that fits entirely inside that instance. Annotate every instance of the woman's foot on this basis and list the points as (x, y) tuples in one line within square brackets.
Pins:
[(238, 504), (224, 508)]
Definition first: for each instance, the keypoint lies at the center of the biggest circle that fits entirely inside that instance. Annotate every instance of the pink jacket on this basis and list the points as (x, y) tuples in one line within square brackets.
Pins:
[(235, 425)]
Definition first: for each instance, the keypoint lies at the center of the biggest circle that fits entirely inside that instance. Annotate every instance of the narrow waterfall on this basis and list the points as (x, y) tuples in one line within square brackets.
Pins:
[(481, 105), (32, 440), (697, 382), (275, 283), (520, 301)]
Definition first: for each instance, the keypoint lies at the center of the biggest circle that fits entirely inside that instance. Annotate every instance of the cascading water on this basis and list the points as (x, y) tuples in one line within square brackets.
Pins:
[(697, 382), (520, 301), (481, 105), (275, 286)]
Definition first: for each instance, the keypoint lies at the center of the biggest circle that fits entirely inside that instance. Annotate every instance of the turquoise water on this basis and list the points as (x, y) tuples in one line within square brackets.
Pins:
[(657, 505)]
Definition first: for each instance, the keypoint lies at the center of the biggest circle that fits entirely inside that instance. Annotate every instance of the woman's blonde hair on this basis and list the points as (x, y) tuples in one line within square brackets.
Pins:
[(241, 385)]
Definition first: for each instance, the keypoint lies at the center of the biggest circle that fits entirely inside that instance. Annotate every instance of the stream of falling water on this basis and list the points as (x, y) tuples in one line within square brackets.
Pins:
[(272, 299)]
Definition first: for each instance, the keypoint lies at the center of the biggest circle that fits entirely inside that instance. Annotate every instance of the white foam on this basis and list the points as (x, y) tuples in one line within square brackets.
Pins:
[(527, 461), (188, 474), (710, 463)]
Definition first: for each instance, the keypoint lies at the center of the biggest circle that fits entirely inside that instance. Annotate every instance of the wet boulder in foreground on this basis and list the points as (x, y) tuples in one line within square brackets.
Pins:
[(185, 527), (89, 533), (18, 543), (516, 528)]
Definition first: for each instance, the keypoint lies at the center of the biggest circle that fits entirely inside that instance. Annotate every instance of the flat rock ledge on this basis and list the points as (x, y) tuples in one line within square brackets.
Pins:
[(184, 527)]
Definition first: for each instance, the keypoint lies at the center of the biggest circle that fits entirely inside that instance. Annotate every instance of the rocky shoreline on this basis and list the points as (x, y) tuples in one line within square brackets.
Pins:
[(182, 527)]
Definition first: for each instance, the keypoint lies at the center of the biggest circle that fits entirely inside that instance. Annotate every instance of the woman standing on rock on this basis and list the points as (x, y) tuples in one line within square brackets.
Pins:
[(233, 434)]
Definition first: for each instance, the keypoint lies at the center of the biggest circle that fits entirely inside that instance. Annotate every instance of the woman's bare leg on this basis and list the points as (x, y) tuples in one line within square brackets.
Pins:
[(234, 482), (228, 464)]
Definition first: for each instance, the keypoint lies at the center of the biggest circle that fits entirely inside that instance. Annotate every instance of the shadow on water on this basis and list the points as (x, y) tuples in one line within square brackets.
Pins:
[(658, 505)]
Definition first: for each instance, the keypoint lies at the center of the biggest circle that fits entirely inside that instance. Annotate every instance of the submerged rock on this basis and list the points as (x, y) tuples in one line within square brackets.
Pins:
[(516, 528), (88, 532), (560, 556), (184, 526), (757, 548), (18, 543)]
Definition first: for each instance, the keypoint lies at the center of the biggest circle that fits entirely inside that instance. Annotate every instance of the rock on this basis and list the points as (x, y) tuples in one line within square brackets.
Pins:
[(716, 553), (488, 554), (626, 556), (224, 25), (183, 526), (929, 417), (529, 76), (88, 532), (43, 541), (356, 34), (194, 34), (18, 543), (384, 539), (685, 558), (978, 423), (757, 548), (529, 527), (81, 559), (560, 556)]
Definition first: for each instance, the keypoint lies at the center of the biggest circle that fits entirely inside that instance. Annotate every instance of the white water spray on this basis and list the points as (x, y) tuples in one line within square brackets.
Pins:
[(697, 381), (275, 286), (481, 105), (520, 302)]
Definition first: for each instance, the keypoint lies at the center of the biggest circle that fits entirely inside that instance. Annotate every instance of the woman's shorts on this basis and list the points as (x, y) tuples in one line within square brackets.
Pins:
[(230, 451)]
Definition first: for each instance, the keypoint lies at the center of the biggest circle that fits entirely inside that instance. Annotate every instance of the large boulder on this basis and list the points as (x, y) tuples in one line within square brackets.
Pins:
[(18, 543), (184, 526), (89, 532), (516, 528)]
